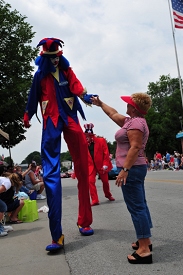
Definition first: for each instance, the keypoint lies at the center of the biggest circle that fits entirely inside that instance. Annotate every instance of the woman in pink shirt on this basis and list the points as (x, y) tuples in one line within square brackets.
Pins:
[(131, 162)]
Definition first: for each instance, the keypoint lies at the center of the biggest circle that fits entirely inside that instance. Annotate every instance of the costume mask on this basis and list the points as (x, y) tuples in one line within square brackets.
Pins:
[(55, 61)]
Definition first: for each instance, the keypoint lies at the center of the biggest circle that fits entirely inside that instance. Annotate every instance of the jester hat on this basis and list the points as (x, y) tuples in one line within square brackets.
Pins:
[(51, 47)]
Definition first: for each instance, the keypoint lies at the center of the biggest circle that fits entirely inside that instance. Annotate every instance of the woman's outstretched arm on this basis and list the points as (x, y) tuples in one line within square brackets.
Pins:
[(110, 112)]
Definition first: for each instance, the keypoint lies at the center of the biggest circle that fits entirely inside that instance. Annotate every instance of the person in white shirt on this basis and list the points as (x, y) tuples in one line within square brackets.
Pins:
[(5, 184)]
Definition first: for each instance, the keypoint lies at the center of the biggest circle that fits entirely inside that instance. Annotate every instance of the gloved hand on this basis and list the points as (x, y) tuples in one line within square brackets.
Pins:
[(104, 169), (26, 120), (87, 98)]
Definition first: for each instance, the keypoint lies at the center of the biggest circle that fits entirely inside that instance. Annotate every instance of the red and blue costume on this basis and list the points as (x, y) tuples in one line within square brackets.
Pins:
[(57, 90)]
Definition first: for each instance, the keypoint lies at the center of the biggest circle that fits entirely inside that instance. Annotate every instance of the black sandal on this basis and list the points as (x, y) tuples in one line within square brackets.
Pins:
[(140, 260), (137, 246)]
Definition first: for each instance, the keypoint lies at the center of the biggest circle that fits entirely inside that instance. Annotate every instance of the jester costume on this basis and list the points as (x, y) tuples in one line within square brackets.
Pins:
[(57, 89)]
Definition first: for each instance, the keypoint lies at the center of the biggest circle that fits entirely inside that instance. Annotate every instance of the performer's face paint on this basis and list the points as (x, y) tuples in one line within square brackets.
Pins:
[(55, 61)]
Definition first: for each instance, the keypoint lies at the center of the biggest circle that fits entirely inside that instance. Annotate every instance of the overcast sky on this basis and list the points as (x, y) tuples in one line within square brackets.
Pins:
[(114, 47)]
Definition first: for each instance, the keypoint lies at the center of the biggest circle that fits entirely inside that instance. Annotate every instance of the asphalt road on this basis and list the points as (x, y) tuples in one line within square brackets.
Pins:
[(104, 253)]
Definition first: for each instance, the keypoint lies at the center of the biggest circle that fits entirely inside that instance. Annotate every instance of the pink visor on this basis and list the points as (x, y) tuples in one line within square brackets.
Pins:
[(130, 101)]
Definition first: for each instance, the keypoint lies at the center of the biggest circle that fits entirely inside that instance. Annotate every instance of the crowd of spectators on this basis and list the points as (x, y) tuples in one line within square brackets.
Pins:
[(13, 182), (167, 161)]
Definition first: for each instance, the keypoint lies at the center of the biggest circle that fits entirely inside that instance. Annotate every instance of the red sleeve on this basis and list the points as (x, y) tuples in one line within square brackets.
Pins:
[(74, 84)]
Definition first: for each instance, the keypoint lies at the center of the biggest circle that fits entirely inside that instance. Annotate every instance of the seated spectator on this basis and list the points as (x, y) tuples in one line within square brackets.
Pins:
[(167, 157), (171, 166), (176, 164), (5, 184), (171, 160), (33, 183), (10, 169), (3, 209), (14, 205), (179, 159), (18, 171), (157, 164), (164, 163), (39, 172), (176, 153), (4, 229), (158, 156), (181, 165), (152, 165)]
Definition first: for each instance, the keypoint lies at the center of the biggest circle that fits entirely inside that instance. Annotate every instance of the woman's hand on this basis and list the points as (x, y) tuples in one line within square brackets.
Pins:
[(121, 178), (96, 101)]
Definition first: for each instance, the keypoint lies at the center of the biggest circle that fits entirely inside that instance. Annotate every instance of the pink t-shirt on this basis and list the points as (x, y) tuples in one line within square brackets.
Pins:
[(123, 145)]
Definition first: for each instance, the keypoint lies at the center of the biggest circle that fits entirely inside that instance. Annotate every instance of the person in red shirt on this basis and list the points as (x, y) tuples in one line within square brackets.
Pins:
[(99, 163), (158, 156)]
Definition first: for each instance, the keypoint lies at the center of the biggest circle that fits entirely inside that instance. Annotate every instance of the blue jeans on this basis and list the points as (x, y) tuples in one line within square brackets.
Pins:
[(134, 197), (25, 190), (3, 206), (1, 228)]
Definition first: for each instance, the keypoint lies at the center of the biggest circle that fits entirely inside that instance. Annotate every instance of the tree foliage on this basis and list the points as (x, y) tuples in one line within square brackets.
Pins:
[(65, 156), (34, 156), (16, 56), (163, 117), (112, 148), (9, 161)]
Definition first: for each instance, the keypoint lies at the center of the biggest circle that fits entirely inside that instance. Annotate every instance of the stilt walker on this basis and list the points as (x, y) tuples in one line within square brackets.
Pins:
[(56, 88)]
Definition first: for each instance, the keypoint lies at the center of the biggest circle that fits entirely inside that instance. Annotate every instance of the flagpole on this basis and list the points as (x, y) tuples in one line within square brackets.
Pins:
[(173, 33)]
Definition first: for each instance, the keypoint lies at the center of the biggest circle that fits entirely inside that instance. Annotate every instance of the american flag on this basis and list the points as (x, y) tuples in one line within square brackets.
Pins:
[(177, 6)]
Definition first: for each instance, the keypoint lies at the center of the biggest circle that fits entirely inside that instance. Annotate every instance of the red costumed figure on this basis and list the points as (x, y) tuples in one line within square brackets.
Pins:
[(56, 88), (99, 163)]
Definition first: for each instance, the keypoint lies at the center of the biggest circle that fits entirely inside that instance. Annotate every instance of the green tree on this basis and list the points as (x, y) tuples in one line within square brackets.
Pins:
[(65, 156), (112, 148), (9, 160), (16, 56), (64, 169), (163, 117), (34, 156)]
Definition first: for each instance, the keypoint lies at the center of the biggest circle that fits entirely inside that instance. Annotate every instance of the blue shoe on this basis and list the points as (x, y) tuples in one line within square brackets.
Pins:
[(54, 246), (86, 231)]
